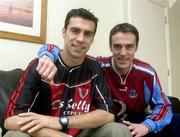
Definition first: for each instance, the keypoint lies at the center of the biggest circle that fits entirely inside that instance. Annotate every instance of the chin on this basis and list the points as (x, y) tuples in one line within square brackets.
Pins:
[(123, 66)]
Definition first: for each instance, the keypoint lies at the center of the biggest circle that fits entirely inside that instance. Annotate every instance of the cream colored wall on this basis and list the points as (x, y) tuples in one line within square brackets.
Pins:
[(16, 54), (148, 17), (174, 21), (103, 9)]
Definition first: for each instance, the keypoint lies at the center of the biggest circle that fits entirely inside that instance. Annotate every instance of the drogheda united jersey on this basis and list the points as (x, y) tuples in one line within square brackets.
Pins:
[(75, 91), (136, 90)]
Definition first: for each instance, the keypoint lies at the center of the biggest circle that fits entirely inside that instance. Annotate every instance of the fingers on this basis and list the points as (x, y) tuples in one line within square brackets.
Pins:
[(29, 125), (137, 130), (28, 117), (26, 114), (50, 72), (46, 68), (34, 129), (30, 122), (127, 122)]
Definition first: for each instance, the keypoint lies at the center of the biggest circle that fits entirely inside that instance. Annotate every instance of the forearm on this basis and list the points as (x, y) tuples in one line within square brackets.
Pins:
[(161, 112), (11, 124), (92, 119)]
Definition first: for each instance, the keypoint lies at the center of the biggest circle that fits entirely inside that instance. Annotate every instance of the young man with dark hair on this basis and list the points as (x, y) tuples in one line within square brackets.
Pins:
[(138, 98), (77, 98)]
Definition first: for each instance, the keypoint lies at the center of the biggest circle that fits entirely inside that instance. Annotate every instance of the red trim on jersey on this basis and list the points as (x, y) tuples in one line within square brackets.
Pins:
[(163, 110), (9, 112)]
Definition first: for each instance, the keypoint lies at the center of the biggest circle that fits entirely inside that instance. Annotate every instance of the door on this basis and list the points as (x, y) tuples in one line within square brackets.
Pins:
[(148, 17)]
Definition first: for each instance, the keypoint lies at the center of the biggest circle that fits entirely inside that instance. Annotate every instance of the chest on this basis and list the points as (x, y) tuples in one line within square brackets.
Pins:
[(134, 90)]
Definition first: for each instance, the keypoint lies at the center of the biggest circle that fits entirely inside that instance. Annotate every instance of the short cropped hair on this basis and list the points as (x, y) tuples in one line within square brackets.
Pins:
[(83, 13), (124, 28)]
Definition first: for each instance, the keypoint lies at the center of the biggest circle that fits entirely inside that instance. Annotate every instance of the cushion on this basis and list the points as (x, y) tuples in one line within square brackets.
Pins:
[(8, 82)]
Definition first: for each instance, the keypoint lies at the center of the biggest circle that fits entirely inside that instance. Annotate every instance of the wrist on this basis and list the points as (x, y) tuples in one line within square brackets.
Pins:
[(64, 122)]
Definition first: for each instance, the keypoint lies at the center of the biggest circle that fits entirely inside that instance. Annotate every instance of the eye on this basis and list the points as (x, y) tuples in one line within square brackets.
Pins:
[(130, 46), (75, 30), (89, 34), (116, 46)]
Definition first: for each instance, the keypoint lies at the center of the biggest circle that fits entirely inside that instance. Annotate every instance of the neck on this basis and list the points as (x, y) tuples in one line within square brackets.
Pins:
[(121, 71), (71, 61)]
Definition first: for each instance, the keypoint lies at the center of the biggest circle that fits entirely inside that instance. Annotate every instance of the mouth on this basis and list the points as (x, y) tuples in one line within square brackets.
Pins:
[(122, 60), (78, 48)]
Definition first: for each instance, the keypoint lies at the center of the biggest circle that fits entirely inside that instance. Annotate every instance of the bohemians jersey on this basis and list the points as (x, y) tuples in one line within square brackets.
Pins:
[(136, 90), (75, 91)]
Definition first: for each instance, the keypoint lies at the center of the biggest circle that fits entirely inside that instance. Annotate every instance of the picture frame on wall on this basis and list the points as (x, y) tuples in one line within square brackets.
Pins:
[(23, 20)]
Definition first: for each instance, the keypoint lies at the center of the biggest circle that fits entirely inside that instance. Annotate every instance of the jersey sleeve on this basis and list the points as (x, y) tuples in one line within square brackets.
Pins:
[(24, 95), (50, 50), (102, 96), (161, 111)]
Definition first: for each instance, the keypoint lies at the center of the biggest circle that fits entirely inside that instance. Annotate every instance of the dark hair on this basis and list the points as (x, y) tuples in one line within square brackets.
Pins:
[(124, 27), (81, 12)]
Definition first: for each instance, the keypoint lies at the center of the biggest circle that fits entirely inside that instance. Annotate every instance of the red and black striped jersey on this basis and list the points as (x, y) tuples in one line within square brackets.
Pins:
[(75, 91)]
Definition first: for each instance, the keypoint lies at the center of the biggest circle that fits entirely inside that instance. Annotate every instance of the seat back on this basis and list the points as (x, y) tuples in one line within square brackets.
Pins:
[(8, 82), (175, 104)]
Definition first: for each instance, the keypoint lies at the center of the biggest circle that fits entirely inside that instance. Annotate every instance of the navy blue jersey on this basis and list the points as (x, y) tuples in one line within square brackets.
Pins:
[(75, 91)]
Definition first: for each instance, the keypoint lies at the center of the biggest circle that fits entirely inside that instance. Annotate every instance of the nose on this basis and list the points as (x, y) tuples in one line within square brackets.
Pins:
[(123, 51), (80, 37)]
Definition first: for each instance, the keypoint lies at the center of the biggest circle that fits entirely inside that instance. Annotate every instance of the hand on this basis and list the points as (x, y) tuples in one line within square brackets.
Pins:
[(46, 68), (137, 130), (32, 122)]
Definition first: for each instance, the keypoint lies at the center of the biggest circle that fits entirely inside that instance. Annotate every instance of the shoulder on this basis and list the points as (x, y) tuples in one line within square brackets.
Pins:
[(104, 61), (31, 68), (91, 64), (33, 63), (91, 61), (143, 67)]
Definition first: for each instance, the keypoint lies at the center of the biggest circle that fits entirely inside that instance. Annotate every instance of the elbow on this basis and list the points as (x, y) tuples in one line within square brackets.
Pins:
[(111, 117), (6, 124), (108, 117), (10, 123)]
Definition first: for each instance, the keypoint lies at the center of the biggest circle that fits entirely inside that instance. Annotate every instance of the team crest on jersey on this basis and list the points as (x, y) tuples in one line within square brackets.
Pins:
[(133, 93), (83, 93)]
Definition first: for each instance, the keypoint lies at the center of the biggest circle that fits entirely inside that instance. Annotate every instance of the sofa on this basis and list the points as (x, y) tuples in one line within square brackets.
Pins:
[(8, 82), (10, 79)]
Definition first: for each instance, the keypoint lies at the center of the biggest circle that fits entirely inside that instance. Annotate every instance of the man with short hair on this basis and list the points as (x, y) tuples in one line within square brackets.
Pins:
[(134, 84), (77, 98)]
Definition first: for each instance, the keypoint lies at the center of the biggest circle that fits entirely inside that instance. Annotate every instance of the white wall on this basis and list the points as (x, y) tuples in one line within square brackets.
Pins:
[(174, 21), (148, 17), (16, 54)]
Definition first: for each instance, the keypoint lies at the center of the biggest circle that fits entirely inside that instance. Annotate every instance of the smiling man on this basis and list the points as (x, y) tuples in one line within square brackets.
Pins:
[(77, 98), (139, 101)]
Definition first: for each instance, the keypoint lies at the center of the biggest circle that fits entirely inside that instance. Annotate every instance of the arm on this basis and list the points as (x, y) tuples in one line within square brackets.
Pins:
[(11, 124), (162, 111), (47, 55), (92, 119), (50, 50), (32, 122)]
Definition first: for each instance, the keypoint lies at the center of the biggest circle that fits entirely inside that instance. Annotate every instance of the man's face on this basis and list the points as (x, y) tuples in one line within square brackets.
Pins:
[(123, 48), (78, 37)]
